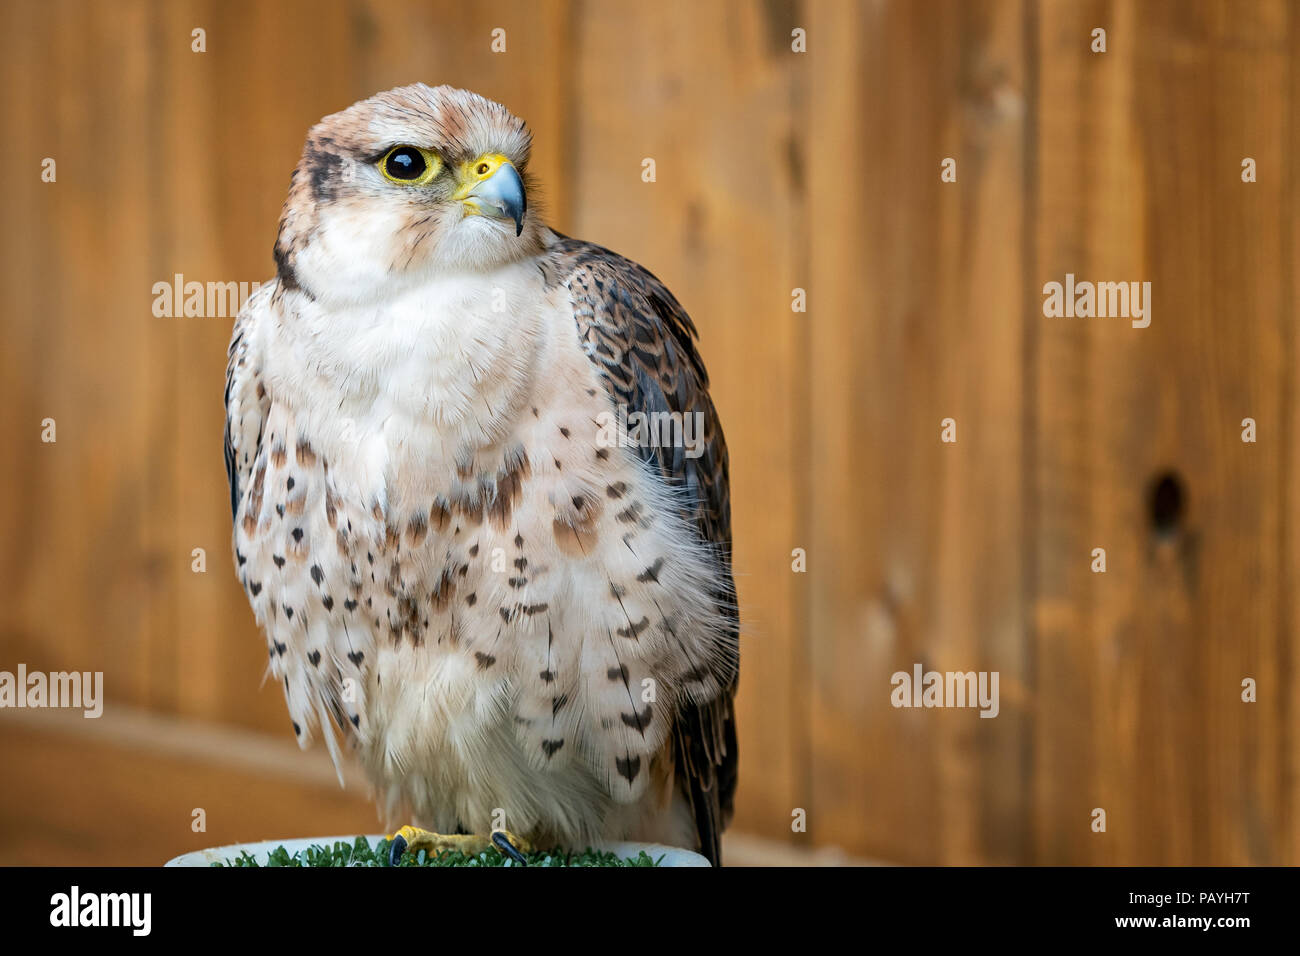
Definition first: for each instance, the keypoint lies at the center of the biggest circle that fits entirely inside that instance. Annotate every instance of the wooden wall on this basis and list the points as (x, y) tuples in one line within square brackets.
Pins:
[(775, 170)]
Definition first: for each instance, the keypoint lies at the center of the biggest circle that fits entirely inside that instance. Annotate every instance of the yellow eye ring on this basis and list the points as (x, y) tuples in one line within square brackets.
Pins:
[(410, 165)]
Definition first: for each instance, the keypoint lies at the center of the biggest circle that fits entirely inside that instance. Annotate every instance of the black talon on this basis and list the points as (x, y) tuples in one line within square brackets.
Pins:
[(396, 850), (507, 848)]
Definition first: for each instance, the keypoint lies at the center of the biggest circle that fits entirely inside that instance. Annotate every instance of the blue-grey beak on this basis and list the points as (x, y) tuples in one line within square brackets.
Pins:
[(499, 196)]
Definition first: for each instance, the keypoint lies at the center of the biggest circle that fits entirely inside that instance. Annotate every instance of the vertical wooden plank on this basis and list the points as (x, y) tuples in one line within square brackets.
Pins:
[(1139, 669), (1289, 686), (83, 592), (706, 91), (1247, 755), (916, 316), (190, 512), (26, 333)]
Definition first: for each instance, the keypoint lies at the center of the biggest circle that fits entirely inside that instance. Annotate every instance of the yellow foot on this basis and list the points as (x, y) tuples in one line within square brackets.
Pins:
[(471, 844)]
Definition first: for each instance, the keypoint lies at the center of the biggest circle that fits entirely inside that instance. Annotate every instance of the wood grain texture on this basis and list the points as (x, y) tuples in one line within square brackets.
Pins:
[(1287, 838), (1139, 670), (916, 312), (775, 170), (248, 787)]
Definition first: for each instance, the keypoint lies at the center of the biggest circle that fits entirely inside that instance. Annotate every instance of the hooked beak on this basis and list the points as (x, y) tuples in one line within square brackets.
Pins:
[(491, 186)]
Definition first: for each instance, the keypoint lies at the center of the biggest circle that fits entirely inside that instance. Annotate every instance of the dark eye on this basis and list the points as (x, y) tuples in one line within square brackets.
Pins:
[(405, 163), (410, 165)]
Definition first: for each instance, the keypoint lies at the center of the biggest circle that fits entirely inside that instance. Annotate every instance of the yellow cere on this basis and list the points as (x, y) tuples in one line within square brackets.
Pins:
[(476, 171), (482, 168)]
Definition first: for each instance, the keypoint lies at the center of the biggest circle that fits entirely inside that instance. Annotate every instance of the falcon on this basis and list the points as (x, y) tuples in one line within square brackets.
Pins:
[(519, 617)]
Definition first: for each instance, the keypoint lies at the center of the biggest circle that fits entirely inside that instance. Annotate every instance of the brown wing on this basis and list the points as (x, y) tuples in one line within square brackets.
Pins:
[(643, 343)]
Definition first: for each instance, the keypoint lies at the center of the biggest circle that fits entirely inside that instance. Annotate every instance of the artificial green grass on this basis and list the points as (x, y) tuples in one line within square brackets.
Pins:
[(361, 853)]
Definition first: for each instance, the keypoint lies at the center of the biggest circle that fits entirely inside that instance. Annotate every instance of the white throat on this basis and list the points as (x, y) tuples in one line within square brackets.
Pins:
[(440, 372)]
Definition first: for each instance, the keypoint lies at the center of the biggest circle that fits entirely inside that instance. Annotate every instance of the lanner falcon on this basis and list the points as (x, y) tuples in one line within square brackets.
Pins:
[(520, 616)]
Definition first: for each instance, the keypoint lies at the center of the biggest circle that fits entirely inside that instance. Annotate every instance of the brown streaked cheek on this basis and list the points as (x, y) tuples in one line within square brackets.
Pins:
[(326, 172)]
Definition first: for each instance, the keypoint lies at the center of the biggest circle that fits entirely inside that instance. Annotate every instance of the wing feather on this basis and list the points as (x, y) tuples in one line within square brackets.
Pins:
[(247, 403), (643, 344)]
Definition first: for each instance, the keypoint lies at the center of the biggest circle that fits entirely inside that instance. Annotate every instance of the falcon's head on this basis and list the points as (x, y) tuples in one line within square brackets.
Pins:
[(411, 182)]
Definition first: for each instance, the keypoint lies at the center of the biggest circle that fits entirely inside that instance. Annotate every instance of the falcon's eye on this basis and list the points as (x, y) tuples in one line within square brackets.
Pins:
[(409, 165)]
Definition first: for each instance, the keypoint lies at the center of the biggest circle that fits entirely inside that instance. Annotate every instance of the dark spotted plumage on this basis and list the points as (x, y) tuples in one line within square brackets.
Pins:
[(643, 343), (529, 616)]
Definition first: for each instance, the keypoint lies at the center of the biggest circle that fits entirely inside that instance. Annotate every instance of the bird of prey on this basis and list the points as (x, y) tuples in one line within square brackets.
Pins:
[(519, 616)]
